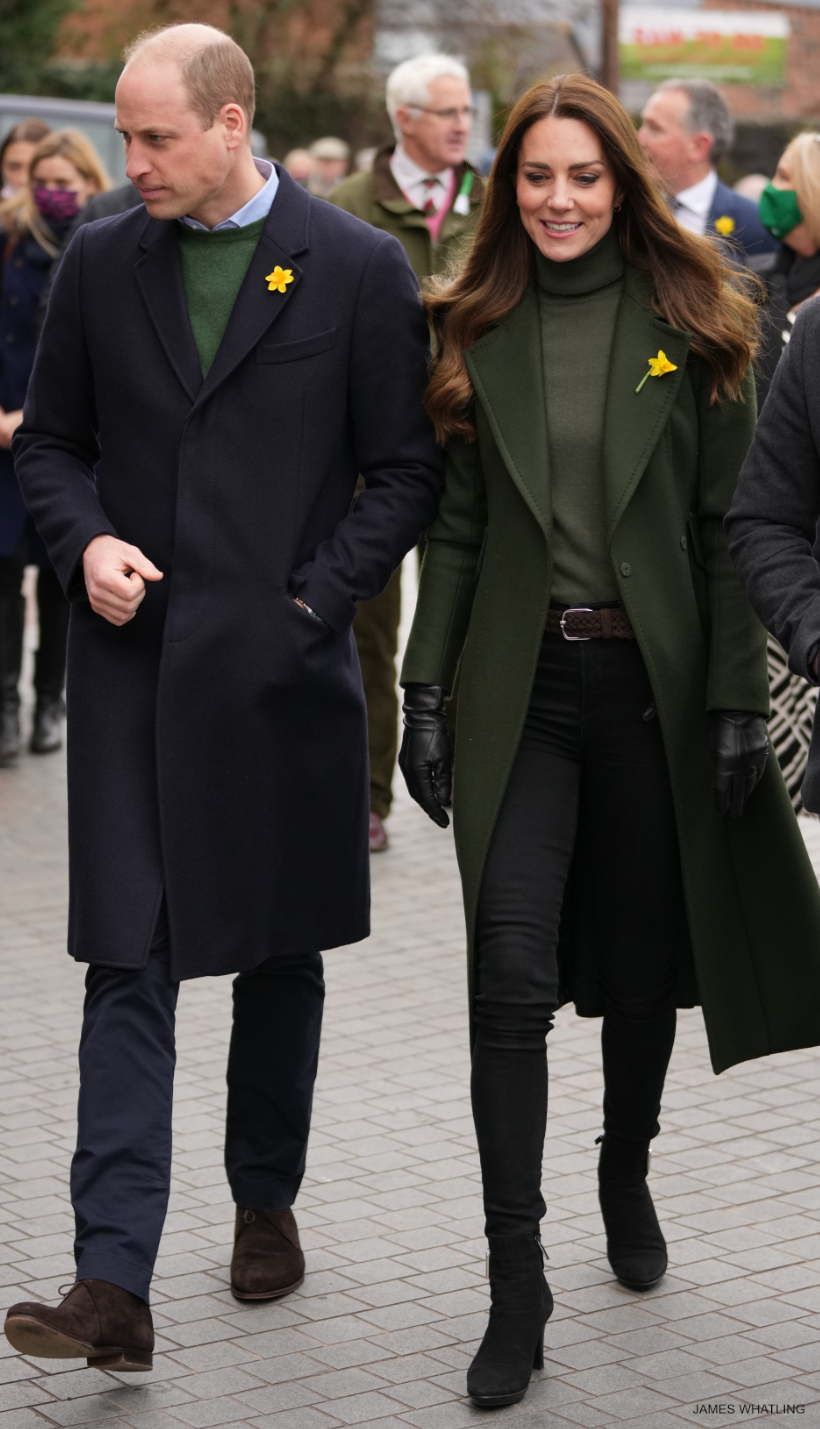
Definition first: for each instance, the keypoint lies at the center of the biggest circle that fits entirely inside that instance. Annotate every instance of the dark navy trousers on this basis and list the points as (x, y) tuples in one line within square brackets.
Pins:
[(121, 1171)]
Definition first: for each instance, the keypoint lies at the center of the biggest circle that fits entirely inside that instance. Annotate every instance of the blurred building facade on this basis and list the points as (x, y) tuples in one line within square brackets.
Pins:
[(769, 109)]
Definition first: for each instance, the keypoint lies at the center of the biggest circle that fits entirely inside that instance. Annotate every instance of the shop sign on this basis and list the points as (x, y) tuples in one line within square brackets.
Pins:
[(745, 47)]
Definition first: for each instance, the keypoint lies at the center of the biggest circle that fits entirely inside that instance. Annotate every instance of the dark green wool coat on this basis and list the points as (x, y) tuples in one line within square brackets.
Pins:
[(671, 461), (376, 197)]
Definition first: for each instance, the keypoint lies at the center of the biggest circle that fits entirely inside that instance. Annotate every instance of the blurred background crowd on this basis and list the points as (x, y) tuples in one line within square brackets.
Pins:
[(391, 110)]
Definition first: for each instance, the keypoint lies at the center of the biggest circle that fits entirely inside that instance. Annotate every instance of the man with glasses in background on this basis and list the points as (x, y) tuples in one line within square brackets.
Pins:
[(422, 190)]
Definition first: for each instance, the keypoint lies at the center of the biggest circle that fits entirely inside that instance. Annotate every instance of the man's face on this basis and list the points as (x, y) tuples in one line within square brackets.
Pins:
[(439, 132), (668, 144), (176, 165), (330, 171)]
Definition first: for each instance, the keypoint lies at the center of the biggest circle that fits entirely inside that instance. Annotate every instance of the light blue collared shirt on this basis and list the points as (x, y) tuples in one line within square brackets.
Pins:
[(257, 207)]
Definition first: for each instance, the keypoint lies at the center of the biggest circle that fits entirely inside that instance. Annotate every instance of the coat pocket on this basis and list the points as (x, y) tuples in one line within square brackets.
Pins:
[(295, 351)]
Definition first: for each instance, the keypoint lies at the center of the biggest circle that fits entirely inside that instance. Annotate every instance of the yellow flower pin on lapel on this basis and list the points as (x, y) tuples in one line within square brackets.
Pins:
[(278, 280), (658, 366), (725, 225)]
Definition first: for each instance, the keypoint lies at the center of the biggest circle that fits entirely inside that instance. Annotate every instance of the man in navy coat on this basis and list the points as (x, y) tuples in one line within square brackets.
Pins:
[(686, 128), (213, 375)]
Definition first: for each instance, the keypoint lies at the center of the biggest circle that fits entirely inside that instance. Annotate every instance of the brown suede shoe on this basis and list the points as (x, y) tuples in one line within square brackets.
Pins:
[(267, 1257), (108, 1327)]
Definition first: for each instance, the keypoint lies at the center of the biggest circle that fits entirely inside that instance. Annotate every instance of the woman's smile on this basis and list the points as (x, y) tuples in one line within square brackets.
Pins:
[(560, 230)]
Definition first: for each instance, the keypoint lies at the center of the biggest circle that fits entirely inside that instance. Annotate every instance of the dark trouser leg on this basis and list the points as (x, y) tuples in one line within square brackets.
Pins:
[(522, 892), (277, 1025), (53, 610), (12, 628), (376, 629), (635, 871), (121, 1171)]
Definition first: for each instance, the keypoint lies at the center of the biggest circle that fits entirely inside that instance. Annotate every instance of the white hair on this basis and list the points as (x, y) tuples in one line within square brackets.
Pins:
[(409, 84)]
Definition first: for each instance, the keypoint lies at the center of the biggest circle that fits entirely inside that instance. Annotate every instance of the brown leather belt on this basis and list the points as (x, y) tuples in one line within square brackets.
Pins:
[(578, 622)]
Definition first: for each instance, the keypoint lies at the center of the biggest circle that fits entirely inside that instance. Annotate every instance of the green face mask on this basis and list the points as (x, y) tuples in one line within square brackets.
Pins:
[(779, 210)]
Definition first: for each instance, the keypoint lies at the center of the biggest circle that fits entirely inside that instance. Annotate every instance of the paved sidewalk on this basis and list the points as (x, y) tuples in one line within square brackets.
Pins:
[(395, 1299)]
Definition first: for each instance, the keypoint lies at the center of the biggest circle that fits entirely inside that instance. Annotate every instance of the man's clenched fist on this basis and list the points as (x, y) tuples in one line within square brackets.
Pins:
[(115, 575)]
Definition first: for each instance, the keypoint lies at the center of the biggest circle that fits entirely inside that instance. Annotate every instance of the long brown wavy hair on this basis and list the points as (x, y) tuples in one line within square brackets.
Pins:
[(693, 287)]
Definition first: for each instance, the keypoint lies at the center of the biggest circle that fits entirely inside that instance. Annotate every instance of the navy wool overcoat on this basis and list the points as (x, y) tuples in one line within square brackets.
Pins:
[(217, 742)]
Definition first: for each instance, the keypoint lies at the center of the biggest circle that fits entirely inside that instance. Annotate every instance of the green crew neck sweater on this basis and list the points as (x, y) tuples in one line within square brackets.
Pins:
[(213, 266), (579, 305)]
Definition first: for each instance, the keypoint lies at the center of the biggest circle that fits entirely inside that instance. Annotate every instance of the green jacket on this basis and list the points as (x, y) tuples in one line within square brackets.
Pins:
[(671, 462), (376, 197)]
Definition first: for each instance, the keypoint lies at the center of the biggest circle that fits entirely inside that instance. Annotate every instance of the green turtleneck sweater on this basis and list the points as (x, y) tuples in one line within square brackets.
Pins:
[(213, 266), (579, 304)]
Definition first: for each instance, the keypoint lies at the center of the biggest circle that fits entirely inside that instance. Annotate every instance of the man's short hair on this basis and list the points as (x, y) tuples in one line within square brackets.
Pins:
[(708, 113), (215, 71), (409, 84)]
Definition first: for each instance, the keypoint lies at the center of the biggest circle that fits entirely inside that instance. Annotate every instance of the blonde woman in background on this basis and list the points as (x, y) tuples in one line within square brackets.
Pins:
[(790, 210), (63, 174)]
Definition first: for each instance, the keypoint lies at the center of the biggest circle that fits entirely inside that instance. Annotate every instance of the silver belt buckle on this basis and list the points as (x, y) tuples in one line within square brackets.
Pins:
[(573, 610)]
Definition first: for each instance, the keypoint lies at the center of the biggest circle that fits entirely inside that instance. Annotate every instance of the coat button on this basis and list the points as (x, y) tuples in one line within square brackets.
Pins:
[(625, 568), (14, 300), (683, 543), (9, 337)]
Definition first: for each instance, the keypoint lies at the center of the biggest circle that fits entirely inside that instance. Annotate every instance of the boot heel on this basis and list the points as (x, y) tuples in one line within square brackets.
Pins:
[(123, 1361), (538, 1357)]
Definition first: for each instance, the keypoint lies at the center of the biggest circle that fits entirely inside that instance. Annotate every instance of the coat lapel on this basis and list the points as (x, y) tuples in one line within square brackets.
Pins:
[(284, 236), (633, 421), (507, 373), (256, 307), (159, 277)]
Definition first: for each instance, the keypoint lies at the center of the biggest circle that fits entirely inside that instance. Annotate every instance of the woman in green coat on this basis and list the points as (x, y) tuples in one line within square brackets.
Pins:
[(623, 842)]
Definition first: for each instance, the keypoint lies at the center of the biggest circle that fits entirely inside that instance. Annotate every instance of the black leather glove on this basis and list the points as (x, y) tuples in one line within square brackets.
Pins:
[(426, 755), (740, 748)]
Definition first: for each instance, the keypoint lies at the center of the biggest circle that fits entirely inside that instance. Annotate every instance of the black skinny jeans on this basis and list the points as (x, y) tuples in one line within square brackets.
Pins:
[(591, 755)]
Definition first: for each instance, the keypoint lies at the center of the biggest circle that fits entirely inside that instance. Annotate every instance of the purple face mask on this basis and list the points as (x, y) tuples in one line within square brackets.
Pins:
[(56, 205)]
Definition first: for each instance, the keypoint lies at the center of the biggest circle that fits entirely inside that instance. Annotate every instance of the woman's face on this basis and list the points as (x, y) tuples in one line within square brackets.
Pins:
[(15, 164), (799, 239), (58, 172), (565, 187)]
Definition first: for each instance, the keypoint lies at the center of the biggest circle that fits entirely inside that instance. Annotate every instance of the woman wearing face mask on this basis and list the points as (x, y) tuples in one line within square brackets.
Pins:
[(16, 151), (790, 210), (623, 842), (64, 172)]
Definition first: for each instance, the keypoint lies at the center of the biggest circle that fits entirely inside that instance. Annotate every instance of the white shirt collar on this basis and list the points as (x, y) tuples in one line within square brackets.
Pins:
[(698, 198), (410, 177), (257, 207)]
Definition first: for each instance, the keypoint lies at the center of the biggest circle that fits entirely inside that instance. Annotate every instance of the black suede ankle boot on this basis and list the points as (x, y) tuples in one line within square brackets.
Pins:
[(634, 1241), (513, 1345)]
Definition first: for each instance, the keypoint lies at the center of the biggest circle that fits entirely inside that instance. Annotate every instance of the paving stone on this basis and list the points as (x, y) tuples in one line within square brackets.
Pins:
[(295, 1419)]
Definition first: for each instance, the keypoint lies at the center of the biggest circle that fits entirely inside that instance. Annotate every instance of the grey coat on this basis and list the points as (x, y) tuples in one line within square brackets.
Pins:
[(772, 522)]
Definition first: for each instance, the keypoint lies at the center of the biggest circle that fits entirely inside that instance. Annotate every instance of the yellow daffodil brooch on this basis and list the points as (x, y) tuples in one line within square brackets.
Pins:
[(658, 366), (725, 225), (278, 280)]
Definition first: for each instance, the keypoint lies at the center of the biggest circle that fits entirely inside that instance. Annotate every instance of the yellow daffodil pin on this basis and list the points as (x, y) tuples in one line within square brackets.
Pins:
[(658, 366), (725, 225), (278, 280)]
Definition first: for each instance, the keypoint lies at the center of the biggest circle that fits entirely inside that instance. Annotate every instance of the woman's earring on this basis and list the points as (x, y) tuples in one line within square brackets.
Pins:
[(616, 208)]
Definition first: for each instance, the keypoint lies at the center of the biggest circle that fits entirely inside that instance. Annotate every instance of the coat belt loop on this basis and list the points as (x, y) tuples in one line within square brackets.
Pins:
[(606, 624)]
